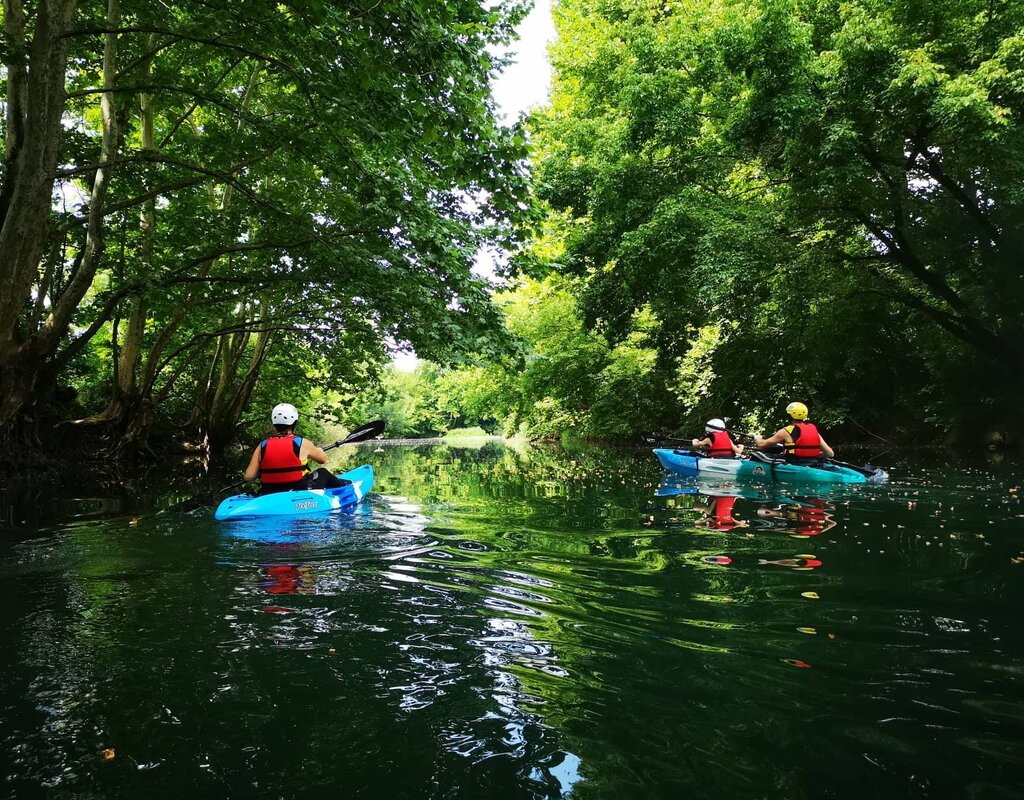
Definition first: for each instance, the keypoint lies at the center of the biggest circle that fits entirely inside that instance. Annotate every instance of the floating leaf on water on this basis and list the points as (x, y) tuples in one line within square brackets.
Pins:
[(108, 754), (807, 630), (134, 522), (796, 662), (810, 595)]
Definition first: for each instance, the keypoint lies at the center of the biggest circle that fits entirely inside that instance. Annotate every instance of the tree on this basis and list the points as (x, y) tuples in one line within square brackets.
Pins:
[(243, 179), (789, 187)]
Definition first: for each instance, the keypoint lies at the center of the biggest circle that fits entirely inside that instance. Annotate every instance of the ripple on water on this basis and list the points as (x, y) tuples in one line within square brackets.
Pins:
[(503, 625)]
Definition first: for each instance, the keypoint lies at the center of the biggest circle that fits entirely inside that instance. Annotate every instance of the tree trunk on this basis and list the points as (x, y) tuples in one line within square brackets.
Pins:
[(233, 390), (35, 114), (203, 401), (144, 388), (126, 393), (65, 306), (36, 105)]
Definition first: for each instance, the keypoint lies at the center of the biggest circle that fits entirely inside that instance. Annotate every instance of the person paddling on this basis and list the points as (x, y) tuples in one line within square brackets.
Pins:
[(716, 442), (280, 460), (801, 441)]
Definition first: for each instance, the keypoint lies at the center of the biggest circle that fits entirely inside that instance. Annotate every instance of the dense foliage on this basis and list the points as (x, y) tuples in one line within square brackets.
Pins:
[(234, 201), (754, 201), (744, 201)]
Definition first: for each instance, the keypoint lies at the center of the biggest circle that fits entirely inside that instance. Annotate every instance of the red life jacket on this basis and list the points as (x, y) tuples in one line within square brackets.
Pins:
[(811, 520), (279, 459), (283, 579), (721, 444), (806, 441), (721, 513)]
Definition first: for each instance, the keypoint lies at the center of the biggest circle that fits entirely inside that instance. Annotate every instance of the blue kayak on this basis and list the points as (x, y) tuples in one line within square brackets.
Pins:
[(301, 503), (761, 469)]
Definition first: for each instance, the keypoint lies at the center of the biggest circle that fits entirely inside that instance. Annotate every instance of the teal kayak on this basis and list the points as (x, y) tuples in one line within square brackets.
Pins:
[(300, 503), (754, 469)]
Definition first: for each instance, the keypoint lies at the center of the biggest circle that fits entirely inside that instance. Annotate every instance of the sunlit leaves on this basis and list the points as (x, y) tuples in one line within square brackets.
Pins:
[(740, 166), (322, 171)]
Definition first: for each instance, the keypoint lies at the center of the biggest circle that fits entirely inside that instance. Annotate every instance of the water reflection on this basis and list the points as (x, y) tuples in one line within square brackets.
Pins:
[(801, 517), (431, 606), (798, 511), (533, 623)]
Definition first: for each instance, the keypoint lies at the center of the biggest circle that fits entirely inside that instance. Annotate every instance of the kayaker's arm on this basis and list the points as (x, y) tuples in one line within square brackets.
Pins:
[(825, 448), (705, 442), (311, 451), (252, 472), (781, 436)]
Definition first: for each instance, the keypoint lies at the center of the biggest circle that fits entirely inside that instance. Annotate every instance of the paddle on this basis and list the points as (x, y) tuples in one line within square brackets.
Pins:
[(867, 470), (650, 437), (368, 431)]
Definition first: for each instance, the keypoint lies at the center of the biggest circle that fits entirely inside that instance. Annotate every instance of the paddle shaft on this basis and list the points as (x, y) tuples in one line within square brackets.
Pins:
[(836, 462)]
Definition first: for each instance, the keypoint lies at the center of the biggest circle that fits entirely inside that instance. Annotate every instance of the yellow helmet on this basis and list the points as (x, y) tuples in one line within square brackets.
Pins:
[(797, 410)]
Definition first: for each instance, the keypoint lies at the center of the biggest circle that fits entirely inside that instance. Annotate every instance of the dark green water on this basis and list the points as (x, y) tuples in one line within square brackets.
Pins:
[(538, 624)]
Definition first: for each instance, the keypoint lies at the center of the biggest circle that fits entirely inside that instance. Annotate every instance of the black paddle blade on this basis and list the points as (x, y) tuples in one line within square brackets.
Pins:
[(368, 431)]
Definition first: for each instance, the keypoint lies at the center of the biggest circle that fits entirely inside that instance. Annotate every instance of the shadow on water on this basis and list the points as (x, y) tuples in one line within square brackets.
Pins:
[(532, 623), (90, 490)]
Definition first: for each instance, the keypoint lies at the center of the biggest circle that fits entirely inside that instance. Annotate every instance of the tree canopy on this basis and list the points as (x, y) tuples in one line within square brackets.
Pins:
[(772, 200), (740, 202), (197, 199)]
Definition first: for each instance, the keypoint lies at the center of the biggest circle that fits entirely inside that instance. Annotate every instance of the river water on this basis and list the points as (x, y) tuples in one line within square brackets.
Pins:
[(537, 623)]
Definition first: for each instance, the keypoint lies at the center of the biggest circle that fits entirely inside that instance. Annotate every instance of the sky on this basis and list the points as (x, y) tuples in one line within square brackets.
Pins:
[(523, 85)]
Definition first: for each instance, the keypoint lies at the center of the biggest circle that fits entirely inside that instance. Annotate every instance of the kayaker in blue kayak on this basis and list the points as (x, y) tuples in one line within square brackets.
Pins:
[(280, 460), (801, 441), (717, 442)]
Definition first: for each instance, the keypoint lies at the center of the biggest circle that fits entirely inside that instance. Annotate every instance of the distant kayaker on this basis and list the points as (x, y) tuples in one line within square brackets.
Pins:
[(280, 460), (716, 442), (801, 442)]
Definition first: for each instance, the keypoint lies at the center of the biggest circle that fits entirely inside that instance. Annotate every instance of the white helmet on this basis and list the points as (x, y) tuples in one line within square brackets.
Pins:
[(284, 414), (715, 425)]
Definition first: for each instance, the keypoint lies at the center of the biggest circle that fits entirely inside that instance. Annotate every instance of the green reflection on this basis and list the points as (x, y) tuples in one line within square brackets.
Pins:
[(513, 622)]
